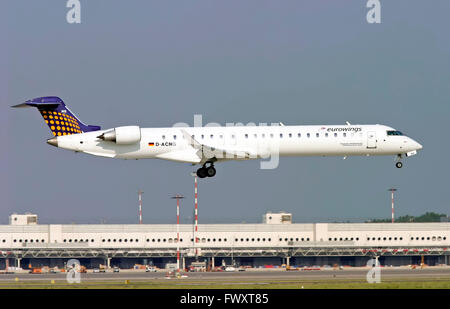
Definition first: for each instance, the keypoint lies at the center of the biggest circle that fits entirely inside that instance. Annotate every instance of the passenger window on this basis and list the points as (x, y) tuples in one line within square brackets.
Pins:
[(308, 135), (345, 134), (326, 134), (281, 135), (211, 136), (174, 137), (299, 135), (335, 134), (246, 135), (317, 134), (290, 134)]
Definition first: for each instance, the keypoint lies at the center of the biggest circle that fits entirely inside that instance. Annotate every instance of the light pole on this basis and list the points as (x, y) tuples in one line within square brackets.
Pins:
[(178, 197), (195, 211), (392, 201)]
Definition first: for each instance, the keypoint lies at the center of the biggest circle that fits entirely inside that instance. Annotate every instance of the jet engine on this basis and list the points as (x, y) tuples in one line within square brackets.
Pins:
[(122, 135)]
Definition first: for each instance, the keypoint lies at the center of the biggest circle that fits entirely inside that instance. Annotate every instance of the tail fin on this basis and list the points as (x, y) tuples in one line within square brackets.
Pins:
[(58, 117)]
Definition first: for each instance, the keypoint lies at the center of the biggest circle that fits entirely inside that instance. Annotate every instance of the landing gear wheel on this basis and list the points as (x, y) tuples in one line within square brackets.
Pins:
[(201, 172), (211, 171), (399, 164)]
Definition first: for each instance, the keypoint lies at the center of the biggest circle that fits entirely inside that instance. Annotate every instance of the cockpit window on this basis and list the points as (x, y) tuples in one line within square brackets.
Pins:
[(394, 133)]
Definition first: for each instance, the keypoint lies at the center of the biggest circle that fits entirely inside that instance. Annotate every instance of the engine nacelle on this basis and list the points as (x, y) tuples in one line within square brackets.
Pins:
[(123, 135)]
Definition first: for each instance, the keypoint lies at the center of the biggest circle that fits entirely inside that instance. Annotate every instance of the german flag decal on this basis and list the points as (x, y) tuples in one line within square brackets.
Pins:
[(151, 144)]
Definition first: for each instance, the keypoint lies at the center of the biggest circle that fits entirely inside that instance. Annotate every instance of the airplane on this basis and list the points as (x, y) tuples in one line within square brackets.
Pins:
[(205, 146)]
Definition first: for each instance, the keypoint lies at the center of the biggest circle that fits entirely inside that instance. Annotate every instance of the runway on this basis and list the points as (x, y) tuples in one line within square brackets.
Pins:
[(248, 276)]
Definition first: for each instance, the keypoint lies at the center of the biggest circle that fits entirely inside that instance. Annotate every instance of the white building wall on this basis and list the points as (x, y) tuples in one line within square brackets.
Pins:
[(229, 235)]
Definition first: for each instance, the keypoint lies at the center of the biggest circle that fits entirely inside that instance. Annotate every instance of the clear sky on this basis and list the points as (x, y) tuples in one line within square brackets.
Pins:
[(156, 63)]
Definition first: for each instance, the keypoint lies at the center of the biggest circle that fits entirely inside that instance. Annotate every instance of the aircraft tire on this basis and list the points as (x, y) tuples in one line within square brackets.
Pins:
[(201, 172), (211, 171), (399, 164)]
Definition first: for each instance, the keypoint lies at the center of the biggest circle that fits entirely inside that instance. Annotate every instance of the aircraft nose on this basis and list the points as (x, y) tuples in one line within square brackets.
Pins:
[(419, 146), (53, 141)]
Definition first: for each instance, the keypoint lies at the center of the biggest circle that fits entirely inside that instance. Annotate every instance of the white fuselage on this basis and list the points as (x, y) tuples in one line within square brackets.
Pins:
[(247, 142)]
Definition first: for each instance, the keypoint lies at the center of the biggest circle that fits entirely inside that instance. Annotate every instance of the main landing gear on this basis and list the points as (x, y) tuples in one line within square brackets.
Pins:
[(204, 171), (399, 163)]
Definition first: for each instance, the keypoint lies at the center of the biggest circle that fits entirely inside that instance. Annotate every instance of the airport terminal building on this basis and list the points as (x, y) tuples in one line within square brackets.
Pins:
[(276, 241)]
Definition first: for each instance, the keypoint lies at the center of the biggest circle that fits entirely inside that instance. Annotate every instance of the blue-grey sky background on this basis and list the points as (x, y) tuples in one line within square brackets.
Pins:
[(156, 63)]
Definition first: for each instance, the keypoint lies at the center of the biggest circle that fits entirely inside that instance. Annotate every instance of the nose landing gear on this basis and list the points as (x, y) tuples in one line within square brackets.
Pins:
[(399, 163), (204, 171)]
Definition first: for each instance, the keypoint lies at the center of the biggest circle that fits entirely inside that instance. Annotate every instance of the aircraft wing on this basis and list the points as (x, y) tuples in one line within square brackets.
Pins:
[(209, 153)]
